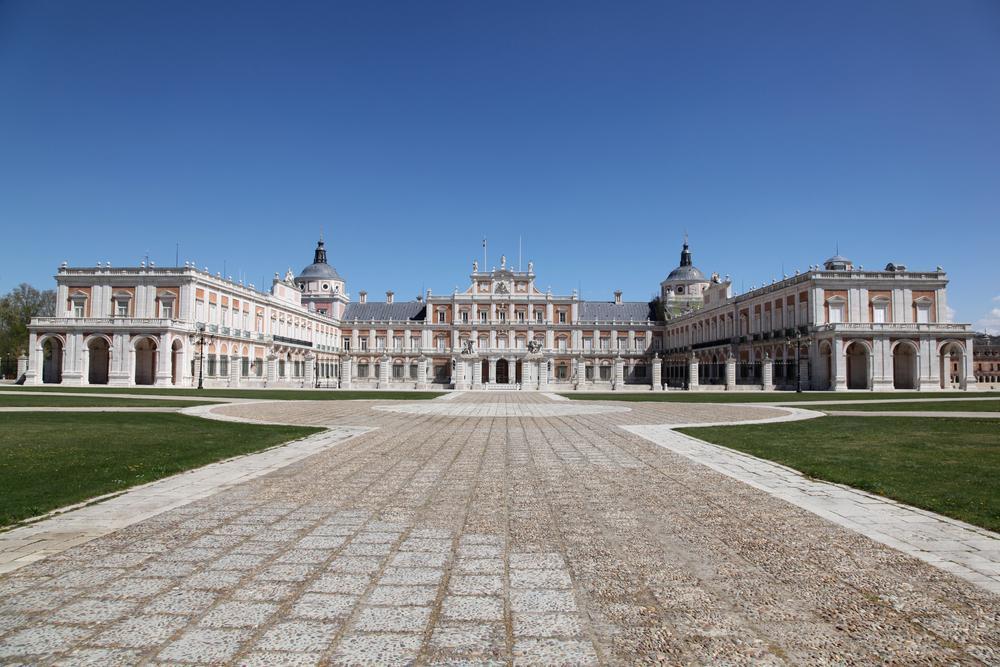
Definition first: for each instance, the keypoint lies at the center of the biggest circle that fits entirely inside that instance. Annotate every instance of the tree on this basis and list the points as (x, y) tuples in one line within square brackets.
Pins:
[(17, 308)]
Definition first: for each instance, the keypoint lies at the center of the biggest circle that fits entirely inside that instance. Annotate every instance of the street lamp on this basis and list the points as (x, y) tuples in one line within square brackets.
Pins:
[(200, 340), (799, 341)]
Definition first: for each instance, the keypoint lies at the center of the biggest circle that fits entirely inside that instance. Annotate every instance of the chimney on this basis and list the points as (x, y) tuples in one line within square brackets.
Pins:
[(618, 297), (362, 297), (388, 296)]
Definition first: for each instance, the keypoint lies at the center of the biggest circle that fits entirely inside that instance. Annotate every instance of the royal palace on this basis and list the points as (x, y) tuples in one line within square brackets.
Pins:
[(835, 326)]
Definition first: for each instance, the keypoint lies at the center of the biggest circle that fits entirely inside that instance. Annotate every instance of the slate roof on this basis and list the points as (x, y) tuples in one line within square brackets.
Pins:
[(380, 311), (635, 311)]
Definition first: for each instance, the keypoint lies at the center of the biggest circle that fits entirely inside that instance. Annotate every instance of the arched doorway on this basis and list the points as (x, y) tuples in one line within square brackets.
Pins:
[(503, 372), (856, 357), (99, 353), (952, 366), (145, 361), (52, 360), (177, 362), (905, 372), (486, 371)]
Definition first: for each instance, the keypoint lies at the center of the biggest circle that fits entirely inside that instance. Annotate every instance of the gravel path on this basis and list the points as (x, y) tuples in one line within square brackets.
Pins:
[(517, 537)]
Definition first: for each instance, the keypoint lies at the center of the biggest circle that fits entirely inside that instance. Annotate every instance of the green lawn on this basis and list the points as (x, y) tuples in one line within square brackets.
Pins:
[(768, 396), (50, 460), (54, 401), (949, 466), (943, 406), (260, 394)]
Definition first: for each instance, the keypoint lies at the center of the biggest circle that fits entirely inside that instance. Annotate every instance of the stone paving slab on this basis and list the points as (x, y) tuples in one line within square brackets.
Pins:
[(965, 550), (68, 528), (491, 540)]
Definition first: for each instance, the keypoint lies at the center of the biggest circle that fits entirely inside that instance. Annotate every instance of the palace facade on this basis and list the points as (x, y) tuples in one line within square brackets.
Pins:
[(832, 327)]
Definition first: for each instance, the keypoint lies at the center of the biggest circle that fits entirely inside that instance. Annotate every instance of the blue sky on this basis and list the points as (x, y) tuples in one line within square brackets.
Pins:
[(597, 132)]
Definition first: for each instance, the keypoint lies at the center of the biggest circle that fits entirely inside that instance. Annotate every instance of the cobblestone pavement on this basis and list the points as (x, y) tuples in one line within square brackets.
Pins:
[(492, 540)]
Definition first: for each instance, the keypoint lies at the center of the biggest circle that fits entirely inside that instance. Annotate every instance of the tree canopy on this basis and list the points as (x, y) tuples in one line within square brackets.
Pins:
[(17, 307)]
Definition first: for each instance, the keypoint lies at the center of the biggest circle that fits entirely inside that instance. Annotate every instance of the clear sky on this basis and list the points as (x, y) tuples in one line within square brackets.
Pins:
[(596, 132)]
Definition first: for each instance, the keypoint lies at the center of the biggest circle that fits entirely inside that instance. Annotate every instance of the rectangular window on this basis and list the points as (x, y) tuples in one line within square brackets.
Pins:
[(364, 343), (379, 342), (562, 317), (562, 372), (465, 316), (588, 344), (362, 370), (520, 316), (413, 371), (397, 371), (836, 313), (78, 309), (605, 373), (483, 315), (347, 343), (562, 344), (589, 373), (167, 311), (441, 315), (259, 367), (878, 314), (199, 311), (122, 310), (224, 366), (245, 366), (415, 343), (539, 317), (923, 314)]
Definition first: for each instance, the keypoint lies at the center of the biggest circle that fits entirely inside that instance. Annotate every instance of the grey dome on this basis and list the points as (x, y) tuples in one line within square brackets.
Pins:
[(686, 271), (319, 269)]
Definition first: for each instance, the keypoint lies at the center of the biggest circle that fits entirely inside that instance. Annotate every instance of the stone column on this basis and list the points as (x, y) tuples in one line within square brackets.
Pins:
[(693, 381), (838, 366), (72, 372), (383, 371), (477, 373), (117, 371), (163, 353), (235, 370), (730, 373), (512, 371), (619, 381), (969, 376), (459, 379), (543, 374), (493, 370), (657, 372), (422, 372), (346, 372), (580, 372), (272, 368), (803, 365), (767, 372), (310, 369)]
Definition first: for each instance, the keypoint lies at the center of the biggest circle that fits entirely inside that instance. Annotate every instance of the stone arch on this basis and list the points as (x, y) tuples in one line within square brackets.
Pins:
[(857, 362), (177, 362), (51, 349), (144, 350), (905, 365), (951, 358), (98, 347)]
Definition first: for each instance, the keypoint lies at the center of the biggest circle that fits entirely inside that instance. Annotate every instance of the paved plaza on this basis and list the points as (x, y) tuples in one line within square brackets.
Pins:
[(492, 528)]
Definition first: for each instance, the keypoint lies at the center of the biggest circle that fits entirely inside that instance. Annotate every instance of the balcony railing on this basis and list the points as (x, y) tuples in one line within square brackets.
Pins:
[(106, 322), (894, 327)]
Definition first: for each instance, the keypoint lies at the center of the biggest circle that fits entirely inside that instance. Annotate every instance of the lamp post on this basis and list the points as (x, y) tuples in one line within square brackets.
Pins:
[(199, 339), (799, 341)]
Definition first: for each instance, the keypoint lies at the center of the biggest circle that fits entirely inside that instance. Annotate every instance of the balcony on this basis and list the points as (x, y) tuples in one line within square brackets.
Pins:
[(895, 327), (103, 322)]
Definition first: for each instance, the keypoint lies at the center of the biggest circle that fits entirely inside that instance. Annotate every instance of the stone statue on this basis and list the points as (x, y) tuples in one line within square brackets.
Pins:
[(531, 267), (475, 266), (503, 262), (534, 347)]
